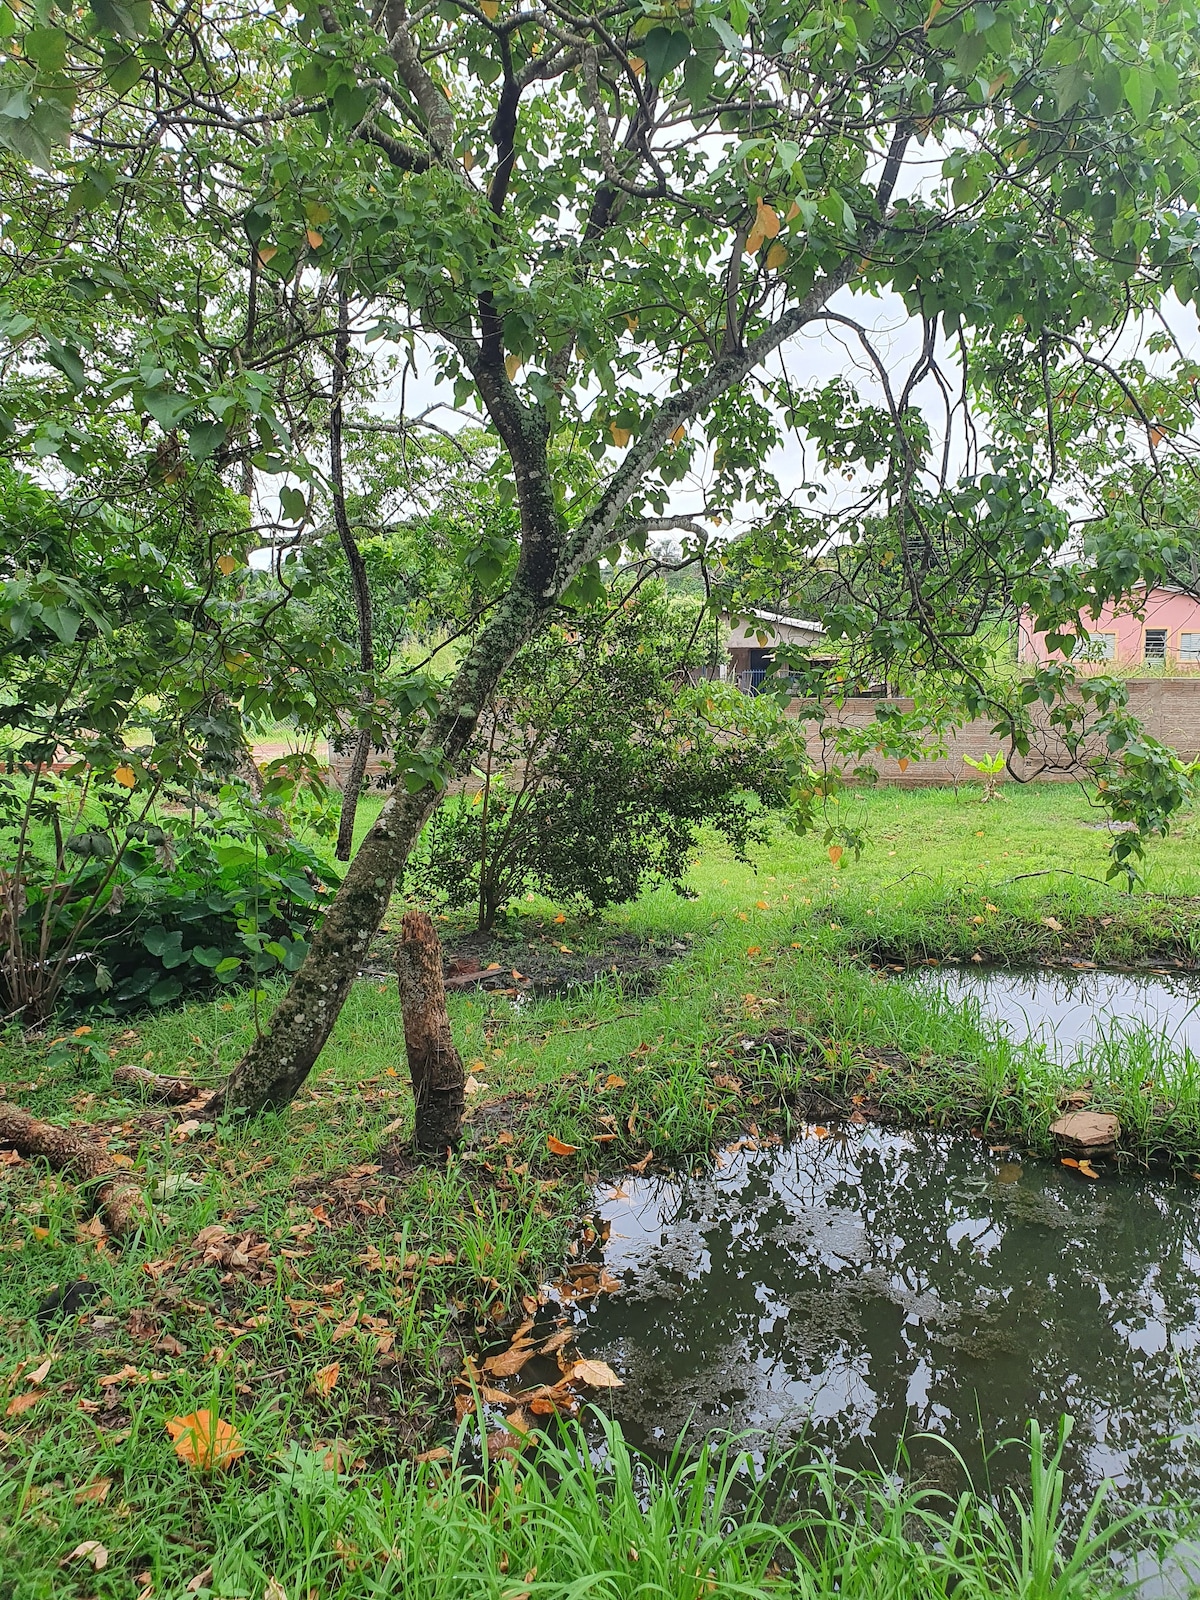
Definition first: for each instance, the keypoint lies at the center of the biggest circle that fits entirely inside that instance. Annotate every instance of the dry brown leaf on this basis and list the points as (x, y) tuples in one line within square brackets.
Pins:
[(595, 1374), (38, 1375), (204, 1442), (836, 852), (557, 1147), (620, 436), (274, 1590), (126, 1373), (324, 1378), (556, 1341), (640, 1166), (438, 1453), (20, 1403), (90, 1550), (96, 1492), (508, 1362)]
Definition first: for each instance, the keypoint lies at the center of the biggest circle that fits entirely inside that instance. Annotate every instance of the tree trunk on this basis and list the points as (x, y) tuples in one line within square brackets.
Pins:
[(278, 1061), (434, 1065), (358, 581), (119, 1201), (351, 792)]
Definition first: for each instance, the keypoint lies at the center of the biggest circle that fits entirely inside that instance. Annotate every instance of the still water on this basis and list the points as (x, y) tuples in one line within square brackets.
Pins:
[(869, 1286), (1067, 1009)]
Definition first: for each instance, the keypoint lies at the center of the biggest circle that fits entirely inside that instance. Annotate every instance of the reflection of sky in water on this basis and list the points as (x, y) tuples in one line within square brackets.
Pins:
[(1066, 1009), (869, 1286)]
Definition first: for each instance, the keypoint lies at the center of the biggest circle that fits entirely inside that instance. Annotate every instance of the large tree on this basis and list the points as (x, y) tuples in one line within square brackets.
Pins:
[(604, 225)]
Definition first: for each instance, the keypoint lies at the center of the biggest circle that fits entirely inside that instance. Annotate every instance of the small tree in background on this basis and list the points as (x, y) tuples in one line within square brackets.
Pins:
[(608, 752)]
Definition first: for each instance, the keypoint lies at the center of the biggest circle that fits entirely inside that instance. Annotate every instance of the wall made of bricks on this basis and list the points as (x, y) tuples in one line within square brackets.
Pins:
[(1169, 708)]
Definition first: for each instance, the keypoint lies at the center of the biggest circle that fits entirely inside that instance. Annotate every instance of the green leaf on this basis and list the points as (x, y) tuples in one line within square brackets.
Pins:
[(160, 939), (35, 136), (1140, 91), (350, 104), (293, 503), (663, 49), (164, 990), (47, 47), (124, 71), (127, 18), (166, 407), (67, 361), (205, 438)]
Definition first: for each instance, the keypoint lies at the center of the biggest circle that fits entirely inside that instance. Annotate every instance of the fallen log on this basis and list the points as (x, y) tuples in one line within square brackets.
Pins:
[(175, 1091), (119, 1201)]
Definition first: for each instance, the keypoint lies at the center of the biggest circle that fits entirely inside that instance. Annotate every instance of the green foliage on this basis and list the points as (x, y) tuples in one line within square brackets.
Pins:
[(112, 905), (607, 753)]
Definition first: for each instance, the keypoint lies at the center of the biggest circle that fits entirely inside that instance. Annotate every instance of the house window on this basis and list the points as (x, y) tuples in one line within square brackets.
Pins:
[(1189, 647), (1156, 644), (1096, 647)]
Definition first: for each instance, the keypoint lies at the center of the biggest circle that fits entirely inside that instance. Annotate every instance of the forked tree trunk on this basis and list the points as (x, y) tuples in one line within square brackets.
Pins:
[(434, 1064)]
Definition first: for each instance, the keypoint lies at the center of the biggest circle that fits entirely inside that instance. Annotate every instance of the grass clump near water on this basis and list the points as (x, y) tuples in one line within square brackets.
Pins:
[(569, 1516), (329, 1253)]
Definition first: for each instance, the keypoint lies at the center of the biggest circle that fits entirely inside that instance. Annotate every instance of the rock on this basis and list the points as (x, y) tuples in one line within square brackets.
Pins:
[(1087, 1130), (66, 1300)]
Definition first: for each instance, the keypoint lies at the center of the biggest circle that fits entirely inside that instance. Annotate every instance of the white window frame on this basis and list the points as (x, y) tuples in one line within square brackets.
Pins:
[(1189, 645)]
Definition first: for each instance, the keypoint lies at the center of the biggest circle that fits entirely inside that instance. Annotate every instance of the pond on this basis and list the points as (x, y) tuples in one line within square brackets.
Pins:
[(855, 1288), (1069, 1009)]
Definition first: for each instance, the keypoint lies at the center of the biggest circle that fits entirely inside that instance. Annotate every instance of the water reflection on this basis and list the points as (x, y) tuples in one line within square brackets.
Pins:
[(1068, 1009), (867, 1286)]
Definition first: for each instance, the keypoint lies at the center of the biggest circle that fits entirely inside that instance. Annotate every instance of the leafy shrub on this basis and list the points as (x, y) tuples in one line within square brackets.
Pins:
[(102, 903), (608, 752)]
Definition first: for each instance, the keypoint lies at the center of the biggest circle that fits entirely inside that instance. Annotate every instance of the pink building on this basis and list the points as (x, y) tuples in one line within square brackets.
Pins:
[(1159, 626)]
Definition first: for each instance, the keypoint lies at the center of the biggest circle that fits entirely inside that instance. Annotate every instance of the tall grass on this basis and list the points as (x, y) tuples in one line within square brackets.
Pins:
[(584, 1515)]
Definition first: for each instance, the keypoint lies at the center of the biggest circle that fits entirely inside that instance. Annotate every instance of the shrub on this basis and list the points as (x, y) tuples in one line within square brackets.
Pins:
[(608, 752), (102, 903)]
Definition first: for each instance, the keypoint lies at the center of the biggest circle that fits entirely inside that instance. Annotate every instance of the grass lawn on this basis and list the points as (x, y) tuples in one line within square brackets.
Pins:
[(320, 1297)]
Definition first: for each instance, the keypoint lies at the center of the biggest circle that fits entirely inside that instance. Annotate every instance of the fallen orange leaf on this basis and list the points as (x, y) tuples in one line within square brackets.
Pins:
[(97, 1492), (836, 853), (204, 1442), (596, 1374), (557, 1147), (324, 1378)]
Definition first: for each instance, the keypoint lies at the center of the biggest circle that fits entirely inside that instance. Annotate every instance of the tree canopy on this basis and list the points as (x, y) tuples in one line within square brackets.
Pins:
[(602, 227)]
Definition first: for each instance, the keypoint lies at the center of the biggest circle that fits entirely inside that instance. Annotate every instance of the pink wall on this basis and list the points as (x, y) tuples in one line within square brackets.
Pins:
[(1125, 633)]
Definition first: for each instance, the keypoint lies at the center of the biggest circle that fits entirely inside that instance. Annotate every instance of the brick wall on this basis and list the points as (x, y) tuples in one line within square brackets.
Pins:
[(1169, 708)]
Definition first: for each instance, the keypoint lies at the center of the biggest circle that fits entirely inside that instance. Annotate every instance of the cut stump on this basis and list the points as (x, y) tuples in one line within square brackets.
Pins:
[(1089, 1131), (434, 1064)]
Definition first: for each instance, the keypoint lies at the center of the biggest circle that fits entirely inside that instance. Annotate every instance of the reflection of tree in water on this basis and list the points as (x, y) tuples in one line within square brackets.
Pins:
[(866, 1288)]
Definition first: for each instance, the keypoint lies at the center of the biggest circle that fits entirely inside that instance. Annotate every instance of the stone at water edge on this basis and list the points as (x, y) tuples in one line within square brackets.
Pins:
[(1087, 1130)]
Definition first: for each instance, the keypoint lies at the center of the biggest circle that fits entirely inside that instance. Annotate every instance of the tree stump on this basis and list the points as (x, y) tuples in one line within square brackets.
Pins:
[(434, 1064)]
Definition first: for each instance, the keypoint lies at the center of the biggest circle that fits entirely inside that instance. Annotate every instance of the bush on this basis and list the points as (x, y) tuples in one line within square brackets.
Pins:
[(608, 752), (102, 904)]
